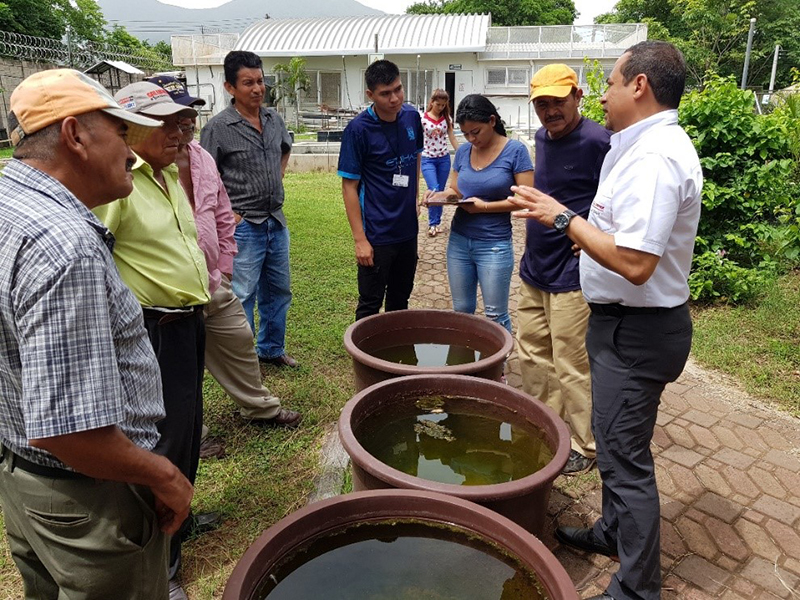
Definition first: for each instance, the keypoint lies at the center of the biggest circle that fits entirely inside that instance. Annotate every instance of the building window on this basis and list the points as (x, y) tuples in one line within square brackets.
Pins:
[(417, 86), (496, 77), (507, 77), (324, 92)]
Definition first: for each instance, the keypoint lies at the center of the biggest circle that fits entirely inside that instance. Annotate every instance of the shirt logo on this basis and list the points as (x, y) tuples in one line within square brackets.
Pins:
[(411, 134), (404, 160)]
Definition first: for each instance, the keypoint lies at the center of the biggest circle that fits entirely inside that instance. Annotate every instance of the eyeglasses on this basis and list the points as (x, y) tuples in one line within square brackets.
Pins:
[(177, 123)]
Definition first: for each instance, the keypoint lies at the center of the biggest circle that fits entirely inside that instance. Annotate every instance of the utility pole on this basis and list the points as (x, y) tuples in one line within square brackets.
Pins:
[(747, 53), (774, 70), (69, 46)]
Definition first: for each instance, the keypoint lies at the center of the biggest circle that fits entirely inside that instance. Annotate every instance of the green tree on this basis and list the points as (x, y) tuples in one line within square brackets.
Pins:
[(504, 12), (713, 33), (119, 36), (42, 18), (86, 22), (292, 79), (50, 18)]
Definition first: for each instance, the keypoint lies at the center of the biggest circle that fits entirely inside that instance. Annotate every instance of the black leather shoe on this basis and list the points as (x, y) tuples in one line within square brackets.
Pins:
[(203, 523), (584, 538), (284, 360), (602, 596)]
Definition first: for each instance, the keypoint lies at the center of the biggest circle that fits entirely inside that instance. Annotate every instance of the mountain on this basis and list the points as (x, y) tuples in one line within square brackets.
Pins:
[(154, 21)]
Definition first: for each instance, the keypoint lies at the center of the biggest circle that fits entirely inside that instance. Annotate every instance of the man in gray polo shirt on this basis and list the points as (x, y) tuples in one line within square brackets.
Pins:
[(251, 147)]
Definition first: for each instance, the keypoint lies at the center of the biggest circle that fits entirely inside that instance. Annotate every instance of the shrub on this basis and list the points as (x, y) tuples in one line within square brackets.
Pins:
[(749, 228)]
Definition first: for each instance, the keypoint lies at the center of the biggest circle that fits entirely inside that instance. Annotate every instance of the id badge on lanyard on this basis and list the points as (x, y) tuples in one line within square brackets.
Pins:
[(400, 180)]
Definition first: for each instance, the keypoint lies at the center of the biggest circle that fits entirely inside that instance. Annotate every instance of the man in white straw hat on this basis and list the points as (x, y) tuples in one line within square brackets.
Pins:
[(159, 258)]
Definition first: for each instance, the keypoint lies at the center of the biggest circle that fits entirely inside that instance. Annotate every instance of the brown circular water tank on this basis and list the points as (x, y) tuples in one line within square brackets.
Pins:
[(524, 500), (425, 327), (294, 531)]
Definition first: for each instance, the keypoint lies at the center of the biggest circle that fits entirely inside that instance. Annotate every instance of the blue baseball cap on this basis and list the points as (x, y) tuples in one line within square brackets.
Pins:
[(176, 90)]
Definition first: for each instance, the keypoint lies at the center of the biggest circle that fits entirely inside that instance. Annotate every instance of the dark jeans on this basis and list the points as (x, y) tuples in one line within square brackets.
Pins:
[(180, 347), (391, 276), (632, 357)]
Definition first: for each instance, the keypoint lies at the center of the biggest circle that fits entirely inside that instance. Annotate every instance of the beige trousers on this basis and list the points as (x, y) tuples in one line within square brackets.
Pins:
[(231, 357), (551, 341)]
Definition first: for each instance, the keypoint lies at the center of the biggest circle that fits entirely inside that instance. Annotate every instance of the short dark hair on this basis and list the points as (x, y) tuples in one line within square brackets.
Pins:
[(42, 145), (480, 109), (664, 66), (381, 72), (238, 59)]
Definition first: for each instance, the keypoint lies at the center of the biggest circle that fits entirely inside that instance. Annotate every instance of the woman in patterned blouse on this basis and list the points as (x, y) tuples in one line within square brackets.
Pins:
[(438, 126)]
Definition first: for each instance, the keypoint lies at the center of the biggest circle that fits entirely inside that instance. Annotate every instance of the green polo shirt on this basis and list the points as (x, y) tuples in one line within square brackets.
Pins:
[(156, 247)]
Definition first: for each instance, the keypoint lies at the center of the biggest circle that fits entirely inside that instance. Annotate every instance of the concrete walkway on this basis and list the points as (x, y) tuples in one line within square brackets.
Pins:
[(728, 470)]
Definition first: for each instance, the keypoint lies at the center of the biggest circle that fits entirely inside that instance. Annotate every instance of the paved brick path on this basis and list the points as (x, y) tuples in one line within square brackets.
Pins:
[(728, 470)]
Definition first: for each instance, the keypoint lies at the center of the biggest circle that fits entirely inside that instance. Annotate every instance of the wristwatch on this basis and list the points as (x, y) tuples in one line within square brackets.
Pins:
[(562, 220)]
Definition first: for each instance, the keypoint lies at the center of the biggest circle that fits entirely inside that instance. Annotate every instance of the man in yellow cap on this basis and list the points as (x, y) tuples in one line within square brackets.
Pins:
[(552, 313), (85, 500)]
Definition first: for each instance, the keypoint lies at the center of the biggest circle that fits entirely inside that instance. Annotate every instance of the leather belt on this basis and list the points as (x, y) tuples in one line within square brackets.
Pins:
[(167, 315), (620, 310), (17, 462)]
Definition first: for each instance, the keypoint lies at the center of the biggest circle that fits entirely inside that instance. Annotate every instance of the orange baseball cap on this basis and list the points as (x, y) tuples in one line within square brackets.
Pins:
[(49, 96), (553, 80)]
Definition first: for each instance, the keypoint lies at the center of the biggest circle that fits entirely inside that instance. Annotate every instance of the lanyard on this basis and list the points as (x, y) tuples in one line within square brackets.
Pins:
[(397, 138)]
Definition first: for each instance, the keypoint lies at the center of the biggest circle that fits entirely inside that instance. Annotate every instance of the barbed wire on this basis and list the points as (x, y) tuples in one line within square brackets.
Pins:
[(78, 54)]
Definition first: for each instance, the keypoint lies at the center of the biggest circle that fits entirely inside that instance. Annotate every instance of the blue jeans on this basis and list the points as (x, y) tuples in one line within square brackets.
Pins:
[(261, 275), (485, 262), (435, 171)]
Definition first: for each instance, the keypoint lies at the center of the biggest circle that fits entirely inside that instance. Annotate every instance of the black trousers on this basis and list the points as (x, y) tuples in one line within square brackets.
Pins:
[(180, 347), (632, 358), (391, 276)]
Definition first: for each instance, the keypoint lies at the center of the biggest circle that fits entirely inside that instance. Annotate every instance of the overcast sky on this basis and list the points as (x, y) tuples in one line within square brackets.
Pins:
[(587, 9)]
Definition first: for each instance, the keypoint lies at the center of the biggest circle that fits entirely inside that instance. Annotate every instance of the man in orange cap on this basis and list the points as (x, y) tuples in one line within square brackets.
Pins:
[(85, 500), (552, 313)]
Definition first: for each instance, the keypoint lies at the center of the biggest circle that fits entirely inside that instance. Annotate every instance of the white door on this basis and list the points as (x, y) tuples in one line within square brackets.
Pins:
[(463, 86)]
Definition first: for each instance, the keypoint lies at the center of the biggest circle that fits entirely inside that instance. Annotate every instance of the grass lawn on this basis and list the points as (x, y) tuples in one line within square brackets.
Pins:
[(756, 344), (268, 473)]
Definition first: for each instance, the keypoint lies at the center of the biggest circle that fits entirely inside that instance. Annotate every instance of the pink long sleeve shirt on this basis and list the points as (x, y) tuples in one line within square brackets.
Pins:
[(212, 214)]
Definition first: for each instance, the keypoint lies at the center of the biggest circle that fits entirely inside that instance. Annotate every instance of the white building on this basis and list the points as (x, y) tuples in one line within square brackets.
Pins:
[(462, 54)]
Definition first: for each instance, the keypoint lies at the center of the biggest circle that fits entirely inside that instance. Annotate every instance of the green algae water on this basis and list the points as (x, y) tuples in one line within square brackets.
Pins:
[(447, 440), (401, 560), (428, 355)]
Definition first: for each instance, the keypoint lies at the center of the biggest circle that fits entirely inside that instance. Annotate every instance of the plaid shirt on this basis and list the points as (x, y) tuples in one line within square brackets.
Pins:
[(74, 354), (249, 162)]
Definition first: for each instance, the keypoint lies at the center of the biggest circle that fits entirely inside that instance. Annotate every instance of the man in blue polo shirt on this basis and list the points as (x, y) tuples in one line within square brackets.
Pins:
[(552, 312), (379, 163)]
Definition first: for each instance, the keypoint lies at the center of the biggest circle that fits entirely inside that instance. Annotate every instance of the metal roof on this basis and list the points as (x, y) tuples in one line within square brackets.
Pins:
[(105, 65), (397, 34)]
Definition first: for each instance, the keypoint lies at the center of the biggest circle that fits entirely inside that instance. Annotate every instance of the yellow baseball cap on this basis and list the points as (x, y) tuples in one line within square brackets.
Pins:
[(553, 80), (49, 96)]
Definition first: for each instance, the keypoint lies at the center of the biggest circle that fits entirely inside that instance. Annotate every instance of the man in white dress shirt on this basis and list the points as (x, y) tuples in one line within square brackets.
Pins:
[(637, 249)]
